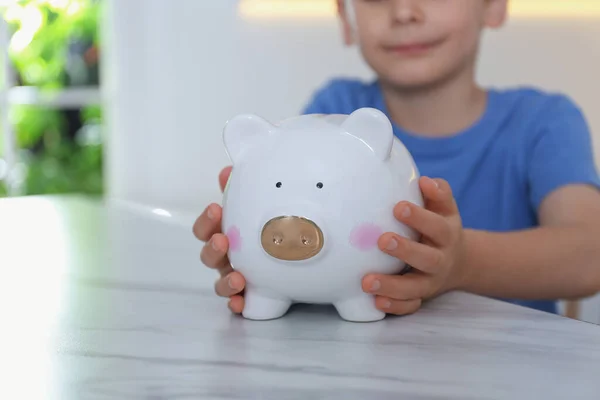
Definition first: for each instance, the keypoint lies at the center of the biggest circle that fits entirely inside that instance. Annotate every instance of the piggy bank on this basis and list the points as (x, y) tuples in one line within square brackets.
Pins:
[(304, 207)]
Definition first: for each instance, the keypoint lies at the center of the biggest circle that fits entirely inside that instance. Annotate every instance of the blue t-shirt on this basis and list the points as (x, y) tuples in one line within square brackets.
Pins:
[(527, 144)]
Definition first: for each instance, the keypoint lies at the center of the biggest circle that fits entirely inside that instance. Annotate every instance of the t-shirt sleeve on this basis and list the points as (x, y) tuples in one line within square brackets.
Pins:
[(320, 102), (561, 152), (338, 96)]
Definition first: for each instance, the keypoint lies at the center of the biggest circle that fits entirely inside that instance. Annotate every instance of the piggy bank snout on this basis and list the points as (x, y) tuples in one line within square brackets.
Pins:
[(291, 238)]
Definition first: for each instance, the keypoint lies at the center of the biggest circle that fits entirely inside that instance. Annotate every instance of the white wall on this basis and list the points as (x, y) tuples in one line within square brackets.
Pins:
[(178, 70), (175, 71)]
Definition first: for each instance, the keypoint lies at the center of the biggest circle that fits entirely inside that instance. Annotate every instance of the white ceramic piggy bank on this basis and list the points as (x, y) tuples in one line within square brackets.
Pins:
[(305, 204)]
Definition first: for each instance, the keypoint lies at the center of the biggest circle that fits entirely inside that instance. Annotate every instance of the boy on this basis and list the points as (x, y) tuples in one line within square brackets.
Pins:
[(513, 211)]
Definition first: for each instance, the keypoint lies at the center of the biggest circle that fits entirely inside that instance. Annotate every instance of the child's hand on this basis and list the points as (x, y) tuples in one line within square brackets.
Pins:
[(207, 228), (437, 258)]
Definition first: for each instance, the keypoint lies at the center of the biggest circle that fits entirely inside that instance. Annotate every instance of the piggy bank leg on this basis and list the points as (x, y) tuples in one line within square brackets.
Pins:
[(259, 307), (359, 309)]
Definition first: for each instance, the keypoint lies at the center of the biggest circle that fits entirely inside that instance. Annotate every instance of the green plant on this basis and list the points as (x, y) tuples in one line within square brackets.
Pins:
[(54, 46), (67, 166), (43, 31)]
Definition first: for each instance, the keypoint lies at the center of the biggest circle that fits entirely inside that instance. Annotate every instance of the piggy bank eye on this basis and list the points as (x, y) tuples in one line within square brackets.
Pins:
[(278, 184), (320, 185)]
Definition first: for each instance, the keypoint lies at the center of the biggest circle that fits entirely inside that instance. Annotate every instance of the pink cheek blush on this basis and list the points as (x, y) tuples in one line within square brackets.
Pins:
[(235, 240), (365, 236)]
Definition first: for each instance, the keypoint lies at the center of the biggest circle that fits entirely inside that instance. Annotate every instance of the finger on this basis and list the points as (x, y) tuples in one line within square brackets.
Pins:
[(399, 287), (224, 177), (230, 285), (438, 196), (236, 304), (398, 307), (420, 256), (214, 253), (208, 223), (432, 225)]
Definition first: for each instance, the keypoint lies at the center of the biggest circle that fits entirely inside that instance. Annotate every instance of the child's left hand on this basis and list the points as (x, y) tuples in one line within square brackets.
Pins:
[(438, 259)]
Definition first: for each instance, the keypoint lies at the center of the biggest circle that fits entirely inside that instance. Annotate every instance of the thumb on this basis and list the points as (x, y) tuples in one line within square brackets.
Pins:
[(224, 177)]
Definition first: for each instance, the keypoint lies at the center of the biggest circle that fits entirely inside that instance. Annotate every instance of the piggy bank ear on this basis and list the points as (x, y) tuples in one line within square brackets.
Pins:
[(242, 132), (372, 127)]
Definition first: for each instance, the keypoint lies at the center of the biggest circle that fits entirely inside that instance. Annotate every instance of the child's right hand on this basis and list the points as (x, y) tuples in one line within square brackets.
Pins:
[(207, 228)]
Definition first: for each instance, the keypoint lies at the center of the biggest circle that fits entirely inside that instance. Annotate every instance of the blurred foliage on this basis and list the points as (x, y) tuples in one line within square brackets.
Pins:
[(34, 123), (44, 30), (54, 46), (67, 166)]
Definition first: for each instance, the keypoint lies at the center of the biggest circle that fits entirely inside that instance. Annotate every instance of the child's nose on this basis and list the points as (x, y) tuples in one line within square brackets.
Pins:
[(407, 11)]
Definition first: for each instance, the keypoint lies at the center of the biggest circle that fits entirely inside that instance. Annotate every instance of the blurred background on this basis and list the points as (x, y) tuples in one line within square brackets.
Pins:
[(51, 113), (126, 99)]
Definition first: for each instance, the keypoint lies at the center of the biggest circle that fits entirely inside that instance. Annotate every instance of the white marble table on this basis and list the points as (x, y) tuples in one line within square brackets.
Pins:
[(112, 303)]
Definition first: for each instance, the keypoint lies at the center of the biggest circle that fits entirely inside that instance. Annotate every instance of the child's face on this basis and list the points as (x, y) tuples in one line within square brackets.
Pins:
[(416, 43)]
